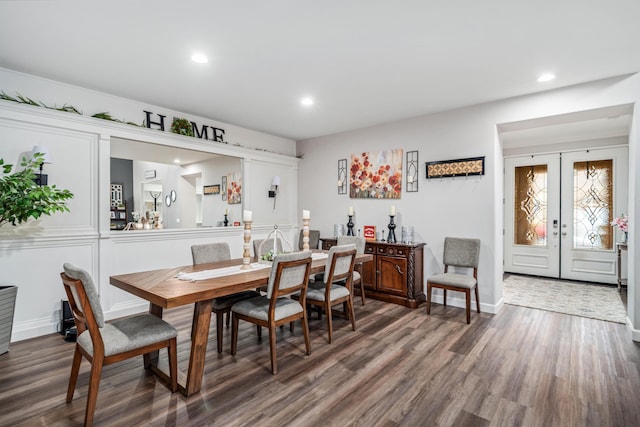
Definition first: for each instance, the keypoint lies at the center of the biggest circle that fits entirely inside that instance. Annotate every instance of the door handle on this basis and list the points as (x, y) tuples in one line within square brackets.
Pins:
[(564, 233), (555, 233), (398, 269)]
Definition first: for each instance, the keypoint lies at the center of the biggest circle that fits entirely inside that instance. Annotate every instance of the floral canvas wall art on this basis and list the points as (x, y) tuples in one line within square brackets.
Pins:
[(234, 188), (376, 175)]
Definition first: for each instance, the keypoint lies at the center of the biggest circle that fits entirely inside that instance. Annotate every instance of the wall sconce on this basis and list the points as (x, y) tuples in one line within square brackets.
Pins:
[(412, 171), (275, 183), (155, 195), (342, 176), (42, 179)]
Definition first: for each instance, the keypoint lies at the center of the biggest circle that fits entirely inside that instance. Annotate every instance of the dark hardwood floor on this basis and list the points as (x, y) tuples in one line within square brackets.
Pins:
[(521, 367)]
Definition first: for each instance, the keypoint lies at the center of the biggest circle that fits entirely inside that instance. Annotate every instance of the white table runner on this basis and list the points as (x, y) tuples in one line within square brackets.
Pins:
[(234, 269)]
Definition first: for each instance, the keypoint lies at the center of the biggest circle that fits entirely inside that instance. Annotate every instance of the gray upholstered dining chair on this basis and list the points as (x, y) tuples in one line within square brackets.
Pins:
[(330, 291), (289, 275), (213, 252), (459, 253), (314, 239), (360, 243), (262, 246), (103, 343)]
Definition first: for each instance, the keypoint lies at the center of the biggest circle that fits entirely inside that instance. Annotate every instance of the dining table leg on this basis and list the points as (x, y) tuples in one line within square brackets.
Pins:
[(199, 340)]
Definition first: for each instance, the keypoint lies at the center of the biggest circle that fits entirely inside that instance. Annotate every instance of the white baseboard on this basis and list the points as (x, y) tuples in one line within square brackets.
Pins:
[(635, 333)]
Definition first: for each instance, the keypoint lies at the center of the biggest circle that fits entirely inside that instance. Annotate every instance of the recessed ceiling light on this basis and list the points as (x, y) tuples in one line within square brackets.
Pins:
[(546, 77), (199, 58), (176, 161), (307, 101)]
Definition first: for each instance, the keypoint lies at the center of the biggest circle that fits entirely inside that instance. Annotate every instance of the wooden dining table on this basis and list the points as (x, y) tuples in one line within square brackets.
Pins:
[(164, 290)]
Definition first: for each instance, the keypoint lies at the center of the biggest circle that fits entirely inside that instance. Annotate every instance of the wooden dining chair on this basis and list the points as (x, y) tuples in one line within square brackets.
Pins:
[(360, 243), (262, 246), (289, 275), (213, 252), (104, 343), (458, 253), (336, 286)]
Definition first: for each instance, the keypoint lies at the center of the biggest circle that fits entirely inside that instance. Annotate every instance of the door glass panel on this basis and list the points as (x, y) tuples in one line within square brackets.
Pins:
[(530, 210), (593, 204)]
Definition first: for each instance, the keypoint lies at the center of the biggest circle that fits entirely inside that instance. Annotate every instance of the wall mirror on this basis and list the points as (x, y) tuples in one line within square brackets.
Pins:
[(164, 171)]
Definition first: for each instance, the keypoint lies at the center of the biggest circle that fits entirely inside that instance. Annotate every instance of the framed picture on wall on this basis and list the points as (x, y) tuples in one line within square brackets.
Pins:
[(208, 190)]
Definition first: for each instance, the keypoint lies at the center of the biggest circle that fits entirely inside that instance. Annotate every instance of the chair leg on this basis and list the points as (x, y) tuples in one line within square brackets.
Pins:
[(272, 348), (428, 298), (477, 299), (259, 331), (173, 364), (219, 328), (234, 334), (73, 378), (305, 331), (228, 317), (94, 385), (291, 326), (362, 291), (444, 296), (352, 313), (468, 304), (329, 320)]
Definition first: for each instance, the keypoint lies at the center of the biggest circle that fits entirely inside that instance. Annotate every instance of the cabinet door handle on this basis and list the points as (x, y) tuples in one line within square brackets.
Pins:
[(398, 269)]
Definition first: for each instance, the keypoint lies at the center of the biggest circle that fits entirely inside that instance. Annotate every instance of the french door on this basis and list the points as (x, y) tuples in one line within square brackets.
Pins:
[(558, 213)]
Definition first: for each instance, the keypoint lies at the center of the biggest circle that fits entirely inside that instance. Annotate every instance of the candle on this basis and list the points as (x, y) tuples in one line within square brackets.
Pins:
[(350, 210), (392, 211), (226, 211), (339, 183), (247, 216), (306, 214), (410, 179)]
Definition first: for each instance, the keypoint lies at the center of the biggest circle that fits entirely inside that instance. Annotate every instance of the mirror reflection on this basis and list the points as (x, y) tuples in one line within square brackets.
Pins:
[(162, 187)]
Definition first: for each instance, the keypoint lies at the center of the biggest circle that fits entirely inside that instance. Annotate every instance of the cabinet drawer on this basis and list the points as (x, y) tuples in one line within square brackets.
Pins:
[(392, 250)]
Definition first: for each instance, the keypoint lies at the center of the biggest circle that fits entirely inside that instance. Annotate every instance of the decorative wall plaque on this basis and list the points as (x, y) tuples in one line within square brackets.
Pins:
[(458, 167)]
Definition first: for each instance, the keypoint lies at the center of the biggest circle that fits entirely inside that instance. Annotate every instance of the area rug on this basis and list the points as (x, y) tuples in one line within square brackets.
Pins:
[(578, 299)]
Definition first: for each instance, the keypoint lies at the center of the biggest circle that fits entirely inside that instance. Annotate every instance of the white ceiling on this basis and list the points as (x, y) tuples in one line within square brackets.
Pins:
[(365, 62)]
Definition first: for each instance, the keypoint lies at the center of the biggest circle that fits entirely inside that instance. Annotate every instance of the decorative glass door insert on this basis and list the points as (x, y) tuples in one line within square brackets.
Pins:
[(530, 219), (593, 204)]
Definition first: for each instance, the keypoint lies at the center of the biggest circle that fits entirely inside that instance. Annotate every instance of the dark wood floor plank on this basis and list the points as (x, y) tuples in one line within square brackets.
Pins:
[(399, 368)]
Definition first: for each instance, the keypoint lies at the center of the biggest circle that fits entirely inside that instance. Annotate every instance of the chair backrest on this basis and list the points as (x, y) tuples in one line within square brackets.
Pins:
[(83, 294), (210, 252), (461, 252), (262, 246), (340, 263), (314, 239), (289, 274), (357, 240)]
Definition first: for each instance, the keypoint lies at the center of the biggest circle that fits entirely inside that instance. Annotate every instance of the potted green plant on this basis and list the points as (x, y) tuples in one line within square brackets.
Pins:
[(22, 199)]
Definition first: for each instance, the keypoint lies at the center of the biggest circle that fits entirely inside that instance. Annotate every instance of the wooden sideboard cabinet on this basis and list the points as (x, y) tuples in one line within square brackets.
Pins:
[(394, 275)]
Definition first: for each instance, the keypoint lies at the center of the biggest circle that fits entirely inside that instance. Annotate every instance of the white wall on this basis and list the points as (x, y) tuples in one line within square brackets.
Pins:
[(470, 207), (31, 256)]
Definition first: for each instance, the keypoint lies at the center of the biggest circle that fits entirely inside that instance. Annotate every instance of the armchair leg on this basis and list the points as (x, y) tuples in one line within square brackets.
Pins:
[(173, 364), (468, 304), (272, 348), (234, 334), (428, 298), (305, 331), (477, 299), (220, 329), (329, 321), (73, 378), (92, 395)]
